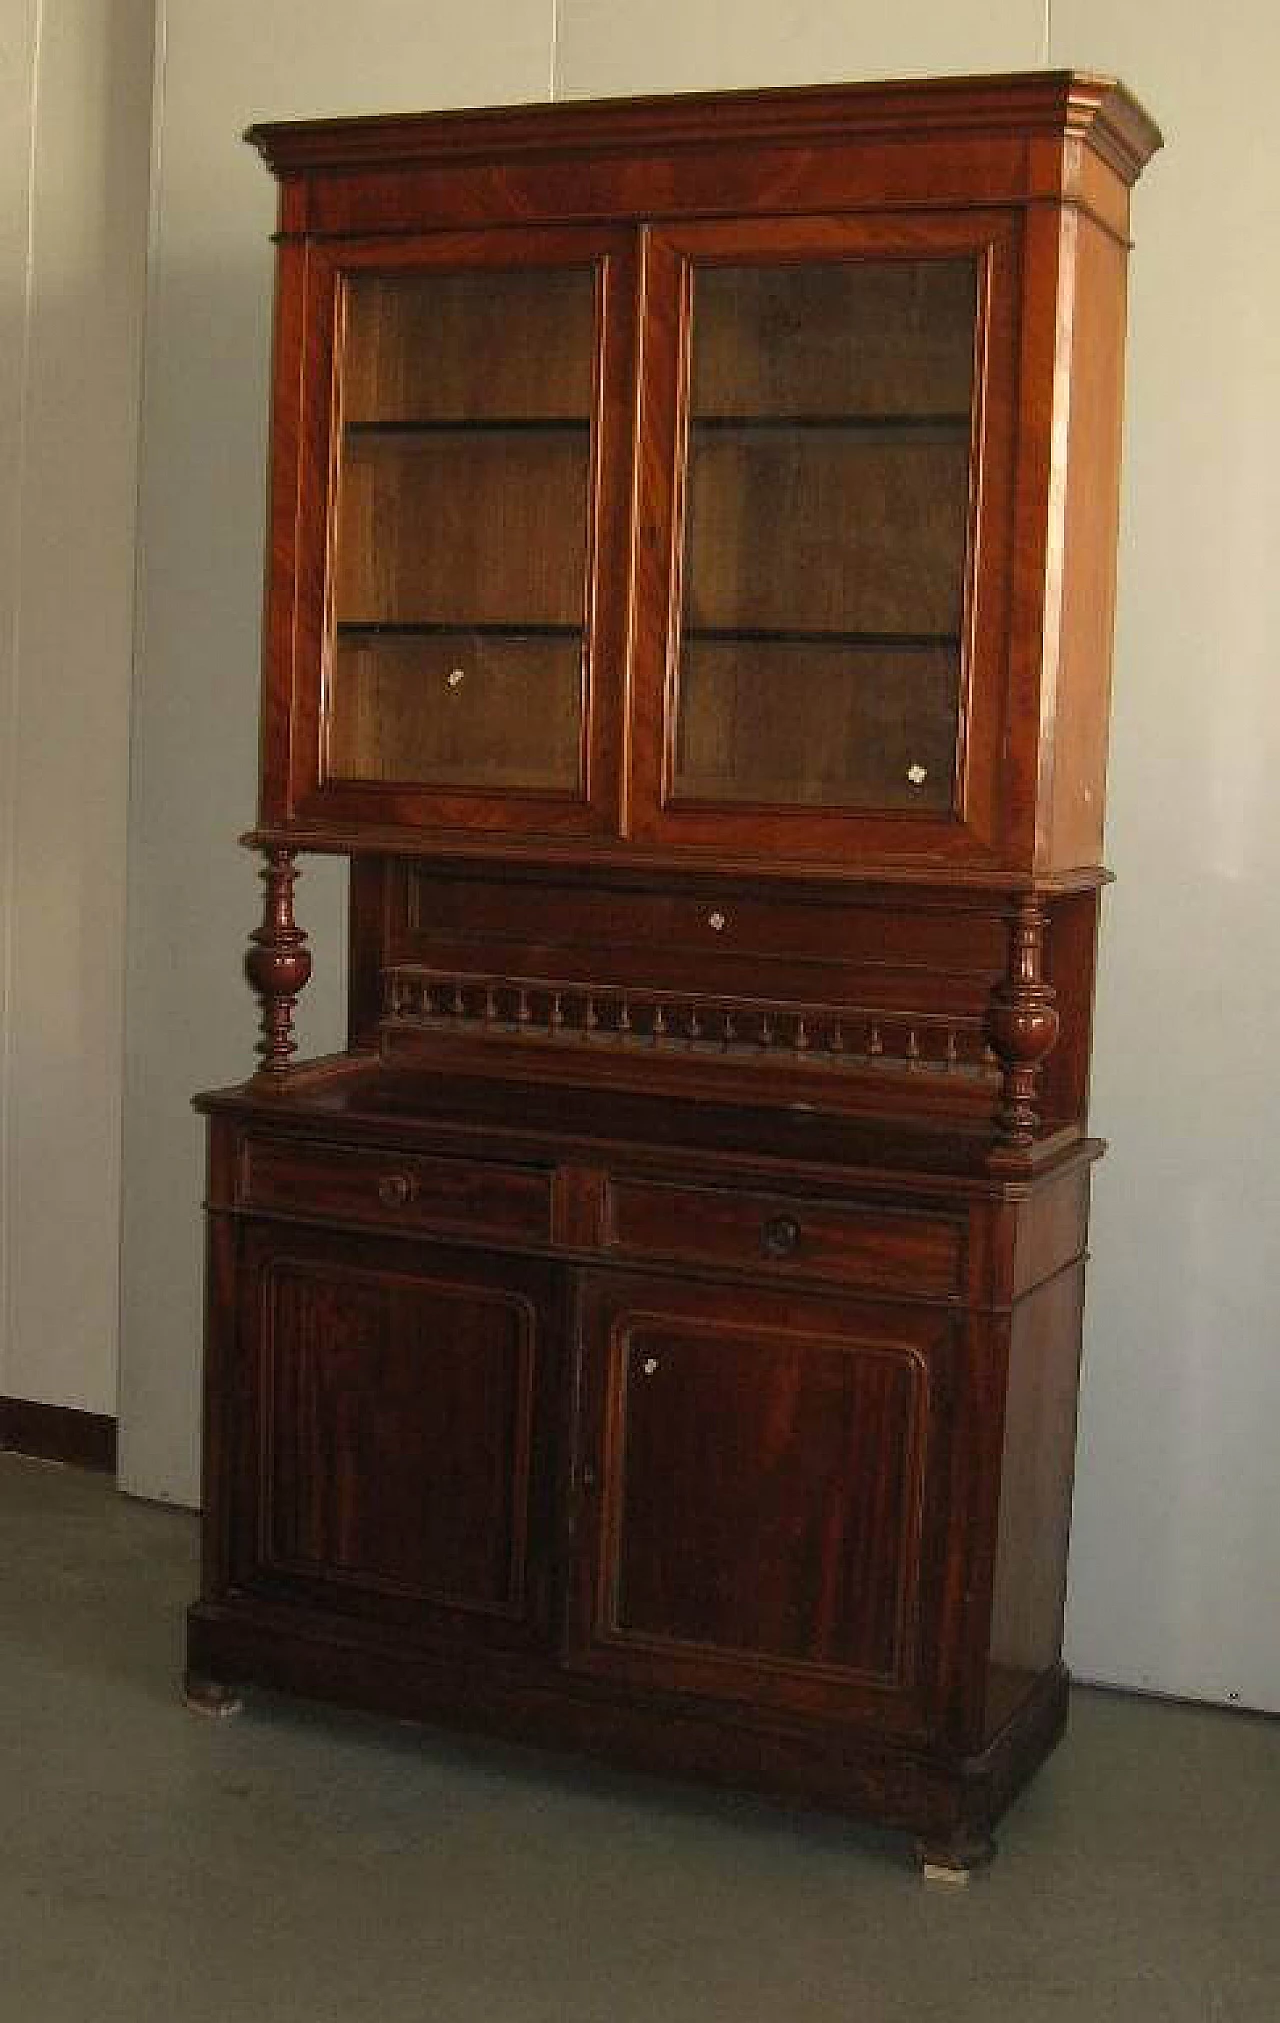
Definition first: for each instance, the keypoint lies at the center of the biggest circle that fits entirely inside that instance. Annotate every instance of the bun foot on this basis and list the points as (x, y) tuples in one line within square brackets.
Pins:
[(955, 1859), (210, 1698)]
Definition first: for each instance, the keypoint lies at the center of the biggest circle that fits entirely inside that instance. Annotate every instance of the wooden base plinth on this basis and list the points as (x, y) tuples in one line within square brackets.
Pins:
[(948, 1803)]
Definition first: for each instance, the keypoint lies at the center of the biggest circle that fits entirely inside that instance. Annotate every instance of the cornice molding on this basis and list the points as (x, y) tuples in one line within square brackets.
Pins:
[(1096, 109)]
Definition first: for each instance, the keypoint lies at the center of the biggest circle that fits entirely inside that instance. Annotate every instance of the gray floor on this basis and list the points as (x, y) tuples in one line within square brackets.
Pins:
[(299, 1864)]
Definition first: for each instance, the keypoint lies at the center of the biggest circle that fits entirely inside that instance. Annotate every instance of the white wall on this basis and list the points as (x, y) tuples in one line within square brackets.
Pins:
[(1178, 1511), (74, 126), (193, 895), (1177, 1531)]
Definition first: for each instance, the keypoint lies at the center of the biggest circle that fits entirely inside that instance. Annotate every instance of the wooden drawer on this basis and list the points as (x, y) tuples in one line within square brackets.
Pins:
[(395, 1190), (891, 1250)]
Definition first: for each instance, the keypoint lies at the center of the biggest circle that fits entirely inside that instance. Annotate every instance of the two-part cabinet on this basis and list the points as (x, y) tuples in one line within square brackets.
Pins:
[(689, 600)]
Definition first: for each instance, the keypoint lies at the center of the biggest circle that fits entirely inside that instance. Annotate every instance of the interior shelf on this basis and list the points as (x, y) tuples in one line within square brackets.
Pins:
[(461, 628), (768, 635), (479, 425), (877, 427)]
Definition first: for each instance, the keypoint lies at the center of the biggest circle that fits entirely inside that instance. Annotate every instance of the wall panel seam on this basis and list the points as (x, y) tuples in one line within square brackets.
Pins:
[(12, 709)]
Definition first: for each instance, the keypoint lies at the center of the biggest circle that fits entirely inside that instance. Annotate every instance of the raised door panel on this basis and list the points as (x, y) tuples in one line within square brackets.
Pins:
[(449, 591), (393, 1447), (762, 1483), (828, 411)]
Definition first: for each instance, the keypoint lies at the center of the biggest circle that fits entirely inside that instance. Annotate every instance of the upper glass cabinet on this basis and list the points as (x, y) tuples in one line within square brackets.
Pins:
[(828, 654), (825, 522), (663, 536), (463, 526), (472, 551)]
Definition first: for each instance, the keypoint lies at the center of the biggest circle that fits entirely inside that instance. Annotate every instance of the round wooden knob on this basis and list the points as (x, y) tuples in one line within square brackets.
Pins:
[(395, 1189), (780, 1236)]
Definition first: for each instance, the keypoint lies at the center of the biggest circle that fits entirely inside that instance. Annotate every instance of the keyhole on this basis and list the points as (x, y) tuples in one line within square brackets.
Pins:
[(457, 676), (649, 1366)]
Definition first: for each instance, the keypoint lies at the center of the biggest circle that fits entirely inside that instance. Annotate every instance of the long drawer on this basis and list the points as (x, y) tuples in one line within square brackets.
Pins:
[(893, 1250), (395, 1190)]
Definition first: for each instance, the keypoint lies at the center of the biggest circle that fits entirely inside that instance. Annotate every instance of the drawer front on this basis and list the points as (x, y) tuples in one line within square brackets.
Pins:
[(395, 1190), (894, 1251)]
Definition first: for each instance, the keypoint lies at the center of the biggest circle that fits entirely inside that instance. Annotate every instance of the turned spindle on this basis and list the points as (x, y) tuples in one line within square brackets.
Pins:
[(1022, 1024), (278, 963)]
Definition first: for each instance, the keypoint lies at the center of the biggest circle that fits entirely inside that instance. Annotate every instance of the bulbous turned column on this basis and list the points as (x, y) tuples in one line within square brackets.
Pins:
[(1022, 1025), (278, 964)]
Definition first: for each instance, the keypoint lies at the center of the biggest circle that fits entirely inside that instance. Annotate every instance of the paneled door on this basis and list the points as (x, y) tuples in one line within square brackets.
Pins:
[(391, 1447), (821, 644), (459, 435), (761, 1484)]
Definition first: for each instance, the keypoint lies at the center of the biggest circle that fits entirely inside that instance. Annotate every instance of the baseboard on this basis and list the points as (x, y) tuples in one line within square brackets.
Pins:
[(58, 1433)]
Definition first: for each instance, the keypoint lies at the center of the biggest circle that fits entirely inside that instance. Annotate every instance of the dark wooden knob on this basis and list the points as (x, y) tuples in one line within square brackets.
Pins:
[(395, 1189), (780, 1236)]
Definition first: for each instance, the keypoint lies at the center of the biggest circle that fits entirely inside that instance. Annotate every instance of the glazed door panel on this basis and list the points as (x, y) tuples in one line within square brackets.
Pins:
[(393, 1448), (762, 1484), (821, 652), (456, 609)]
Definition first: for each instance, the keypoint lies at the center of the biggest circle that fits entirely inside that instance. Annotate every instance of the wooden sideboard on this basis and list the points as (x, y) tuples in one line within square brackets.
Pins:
[(689, 608)]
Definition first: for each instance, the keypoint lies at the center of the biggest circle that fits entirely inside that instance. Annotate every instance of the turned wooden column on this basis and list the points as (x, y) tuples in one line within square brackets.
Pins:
[(1022, 1024), (278, 963)]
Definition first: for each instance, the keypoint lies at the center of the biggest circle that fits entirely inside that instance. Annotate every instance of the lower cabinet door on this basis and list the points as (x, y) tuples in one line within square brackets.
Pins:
[(392, 1439), (762, 1488)]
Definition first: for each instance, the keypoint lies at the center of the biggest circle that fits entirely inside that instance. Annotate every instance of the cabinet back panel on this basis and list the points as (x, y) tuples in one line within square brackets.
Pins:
[(821, 531), (847, 337), (459, 528), (817, 725), (469, 346), (464, 710)]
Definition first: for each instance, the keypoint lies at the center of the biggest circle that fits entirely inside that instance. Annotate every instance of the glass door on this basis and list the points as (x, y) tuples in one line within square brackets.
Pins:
[(474, 538), (826, 611)]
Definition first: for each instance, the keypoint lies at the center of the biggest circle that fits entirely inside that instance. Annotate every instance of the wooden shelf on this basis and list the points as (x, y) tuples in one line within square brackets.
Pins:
[(876, 427), (768, 635), (479, 425), (463, 628)]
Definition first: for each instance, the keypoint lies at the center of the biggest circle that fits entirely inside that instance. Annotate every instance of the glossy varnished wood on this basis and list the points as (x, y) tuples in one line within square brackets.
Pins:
[(575, 578), (393, 1451), (763, 1490), (770, 1360), (393, 1189), (967, 600), (984, 138), (1048, 291), (787, 1236), (690, 589)]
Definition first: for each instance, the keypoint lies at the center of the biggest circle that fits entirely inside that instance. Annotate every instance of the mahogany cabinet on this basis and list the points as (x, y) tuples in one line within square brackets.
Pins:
[(689, 598)]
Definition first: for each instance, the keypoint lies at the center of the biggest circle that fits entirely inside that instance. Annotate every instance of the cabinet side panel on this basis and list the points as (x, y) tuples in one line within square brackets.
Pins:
[(221, 1257), (368, 917), (1070, 965), (1089, 535), (1035, 1492), (290, 341)]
